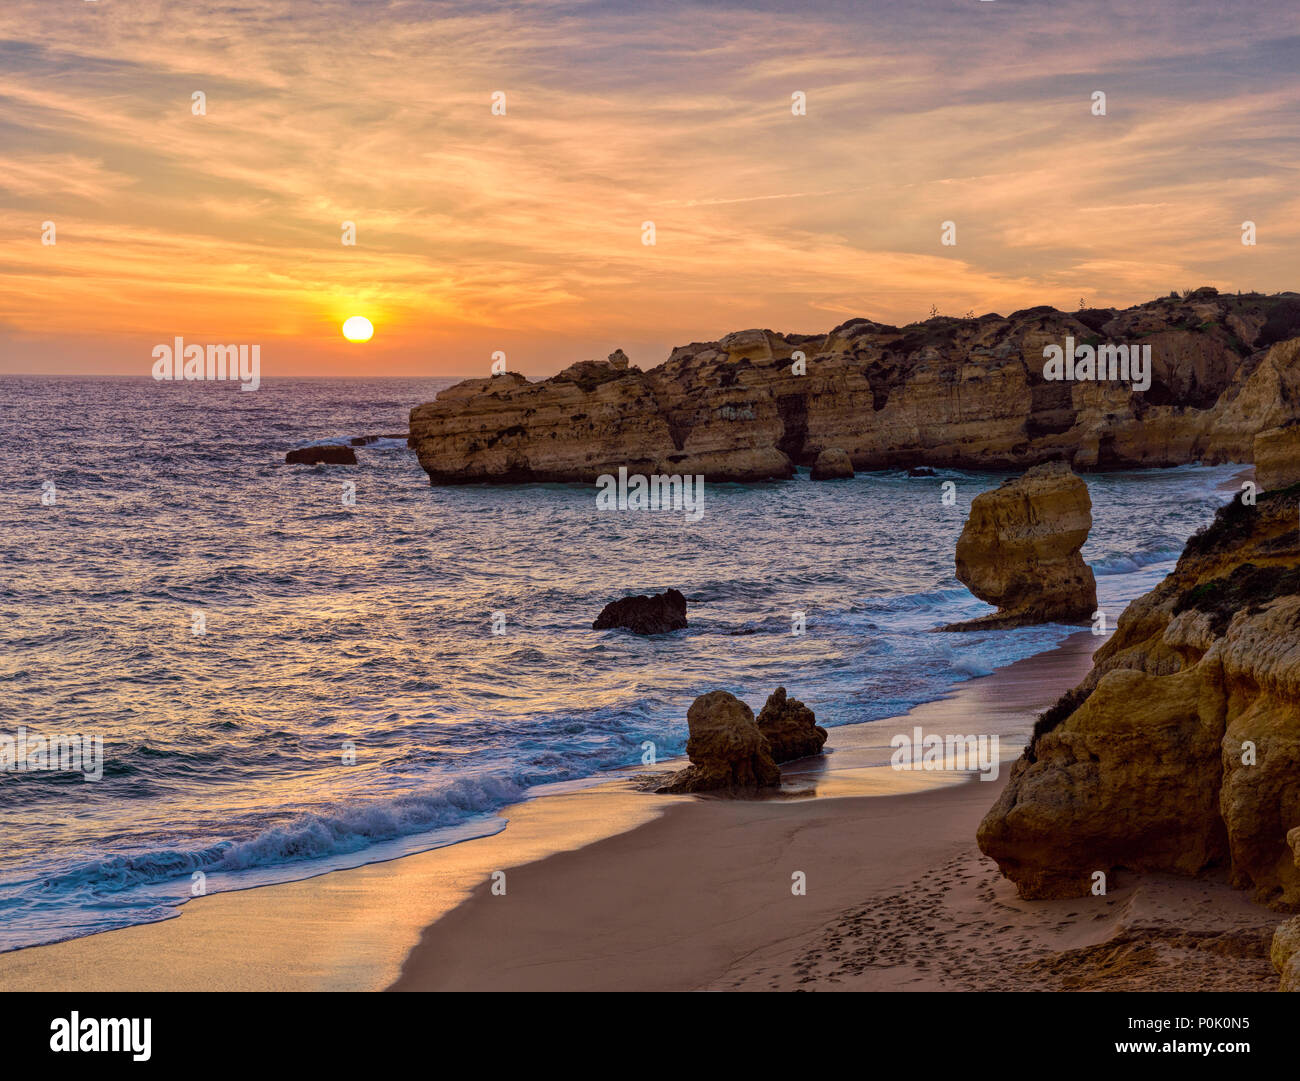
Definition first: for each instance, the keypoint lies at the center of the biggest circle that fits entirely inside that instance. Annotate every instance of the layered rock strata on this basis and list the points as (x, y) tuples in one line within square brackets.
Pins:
[(1020, 551), (966, 393), (1180, 751)]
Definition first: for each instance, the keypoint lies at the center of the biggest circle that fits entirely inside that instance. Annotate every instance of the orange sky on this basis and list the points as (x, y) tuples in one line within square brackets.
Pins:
[(523, 232)]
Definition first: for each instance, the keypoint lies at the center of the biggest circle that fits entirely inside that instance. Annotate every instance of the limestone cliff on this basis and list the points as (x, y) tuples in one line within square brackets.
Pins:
[(1180, 751), (1020, 550), (966, 393)]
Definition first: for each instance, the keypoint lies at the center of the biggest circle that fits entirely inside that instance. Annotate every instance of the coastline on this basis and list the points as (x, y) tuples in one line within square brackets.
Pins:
[(610, 887), (898, 895)]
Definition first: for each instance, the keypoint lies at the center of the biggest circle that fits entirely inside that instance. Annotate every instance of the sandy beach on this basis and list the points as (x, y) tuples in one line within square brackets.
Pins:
[(609, 887)]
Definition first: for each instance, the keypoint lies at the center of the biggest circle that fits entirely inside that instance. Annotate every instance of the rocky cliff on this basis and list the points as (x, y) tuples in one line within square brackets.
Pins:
[(1020, 550), (1180, 751), (964, 393)]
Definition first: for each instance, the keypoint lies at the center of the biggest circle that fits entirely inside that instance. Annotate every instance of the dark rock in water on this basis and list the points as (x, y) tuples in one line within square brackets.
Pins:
[(832, 464), (728, 753), (921, 471), (659, 614), (321, 456), (791, 728)]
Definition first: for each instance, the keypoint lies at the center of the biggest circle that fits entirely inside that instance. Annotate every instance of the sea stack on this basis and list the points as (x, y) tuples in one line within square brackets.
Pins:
[(790, 727), (1020, 550), (1180, 751), (728, 753)]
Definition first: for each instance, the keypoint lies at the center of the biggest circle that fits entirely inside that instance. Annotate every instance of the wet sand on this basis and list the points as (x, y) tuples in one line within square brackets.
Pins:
[(613, 888), (898, 896)]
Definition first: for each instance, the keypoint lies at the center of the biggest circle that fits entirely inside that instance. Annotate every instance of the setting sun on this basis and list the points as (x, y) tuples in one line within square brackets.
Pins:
[(358, 329)]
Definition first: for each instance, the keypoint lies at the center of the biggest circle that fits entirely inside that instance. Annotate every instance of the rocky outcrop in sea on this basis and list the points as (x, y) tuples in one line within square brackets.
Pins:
[(965, 393), (1180, 751), (1020, 550), (657, 614), (732, 753)]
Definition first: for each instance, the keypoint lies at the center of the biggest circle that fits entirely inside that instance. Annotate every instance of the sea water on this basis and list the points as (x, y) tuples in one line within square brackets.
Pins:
[(291, 675)]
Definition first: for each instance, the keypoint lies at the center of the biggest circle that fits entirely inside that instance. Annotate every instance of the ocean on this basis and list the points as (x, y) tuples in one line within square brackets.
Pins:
[(347, 699)]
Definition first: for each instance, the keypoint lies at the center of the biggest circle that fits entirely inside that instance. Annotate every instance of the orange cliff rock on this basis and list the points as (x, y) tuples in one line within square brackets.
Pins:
[(965, 393), (1020, 550), (1180, 751)]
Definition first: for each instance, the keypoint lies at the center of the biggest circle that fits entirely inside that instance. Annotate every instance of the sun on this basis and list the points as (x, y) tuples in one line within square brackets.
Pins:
[(358, 329)]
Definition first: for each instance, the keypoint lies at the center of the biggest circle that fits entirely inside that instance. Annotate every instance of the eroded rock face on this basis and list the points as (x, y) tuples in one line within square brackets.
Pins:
[(965, 393), (1285, 953), (1291, 975), (657, 614), (728, 753), (321, 456), (1020, 551), (832, 464), (1277, 457), (791, 727), (1180, 751)]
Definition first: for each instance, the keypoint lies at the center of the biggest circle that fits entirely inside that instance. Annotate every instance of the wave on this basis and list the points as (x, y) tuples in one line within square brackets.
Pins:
[(1127, 563), (309, 836)]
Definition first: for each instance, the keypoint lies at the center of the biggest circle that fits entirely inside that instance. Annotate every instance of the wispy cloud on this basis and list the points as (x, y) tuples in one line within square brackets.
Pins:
[(523, 231)]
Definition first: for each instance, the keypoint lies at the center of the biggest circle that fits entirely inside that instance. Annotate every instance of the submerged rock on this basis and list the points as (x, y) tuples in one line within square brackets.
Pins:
[(321, 456), (791, 728), (1020, 550), (728, 753), (1180, 751), (832, 464), (657, 614)]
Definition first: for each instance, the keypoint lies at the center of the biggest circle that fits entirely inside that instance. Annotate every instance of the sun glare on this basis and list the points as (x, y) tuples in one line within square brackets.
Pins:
[(358, 329)]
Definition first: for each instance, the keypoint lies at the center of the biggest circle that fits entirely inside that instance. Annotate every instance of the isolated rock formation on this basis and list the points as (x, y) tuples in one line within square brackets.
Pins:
[(964, 393), (1180, 751), (1285, 954), (658, 614), (1277, 457), (727, 751), (1020, 551), (791, 728), (321, 456), (832, 464)]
